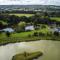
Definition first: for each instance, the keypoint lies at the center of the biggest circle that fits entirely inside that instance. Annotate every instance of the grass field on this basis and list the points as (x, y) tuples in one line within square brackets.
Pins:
[(28, 15), (55, 18)]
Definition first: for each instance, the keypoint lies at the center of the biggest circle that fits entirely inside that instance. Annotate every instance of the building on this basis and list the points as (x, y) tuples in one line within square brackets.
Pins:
[(8, 30), (29, 28)]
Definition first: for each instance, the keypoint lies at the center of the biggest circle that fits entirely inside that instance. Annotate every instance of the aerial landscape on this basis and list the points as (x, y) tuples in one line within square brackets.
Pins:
[(30, 30)]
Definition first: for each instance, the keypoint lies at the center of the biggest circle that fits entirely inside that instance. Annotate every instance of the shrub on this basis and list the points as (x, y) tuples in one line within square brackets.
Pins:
[(56, 33), (35, 34), (49, 34), (8, 34), (43, 26), (41, 34)]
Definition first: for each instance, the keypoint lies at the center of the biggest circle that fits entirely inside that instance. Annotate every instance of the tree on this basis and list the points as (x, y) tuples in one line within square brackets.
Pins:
[(13, 19), (1, 25), (35, 34), (21, 26), (46, 14), (56, 33), (8, 34), (24, 18)]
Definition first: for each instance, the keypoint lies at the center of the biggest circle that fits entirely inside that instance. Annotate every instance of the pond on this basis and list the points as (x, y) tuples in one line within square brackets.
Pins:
[(50, 49)]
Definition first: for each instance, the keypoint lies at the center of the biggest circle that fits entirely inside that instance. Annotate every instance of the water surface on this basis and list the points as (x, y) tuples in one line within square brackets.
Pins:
[(50, 49)]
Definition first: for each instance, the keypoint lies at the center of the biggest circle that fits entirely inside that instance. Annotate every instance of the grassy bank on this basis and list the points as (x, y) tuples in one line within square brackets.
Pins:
[(7, 40), (27, 56), (41, 34)]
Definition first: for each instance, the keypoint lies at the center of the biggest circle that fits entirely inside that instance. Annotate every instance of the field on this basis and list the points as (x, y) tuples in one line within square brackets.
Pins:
[(55, 18), (28, 15)]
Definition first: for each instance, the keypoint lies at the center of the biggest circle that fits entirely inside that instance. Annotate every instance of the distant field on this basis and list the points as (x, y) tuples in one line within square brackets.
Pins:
[(28, 15), (55, 18), (22, 14)]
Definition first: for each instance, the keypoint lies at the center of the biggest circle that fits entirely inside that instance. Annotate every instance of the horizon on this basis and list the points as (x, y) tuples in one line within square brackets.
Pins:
[(30, 2), (30, 5)]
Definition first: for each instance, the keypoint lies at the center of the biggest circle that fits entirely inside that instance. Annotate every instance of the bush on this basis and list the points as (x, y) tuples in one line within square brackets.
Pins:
[(56, 33), (35, 34), (49, 34), (41, 34), (43, 26)]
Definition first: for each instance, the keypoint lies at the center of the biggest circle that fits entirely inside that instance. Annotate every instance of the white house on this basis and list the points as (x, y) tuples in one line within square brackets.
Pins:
[(31, 27), (8, 29)]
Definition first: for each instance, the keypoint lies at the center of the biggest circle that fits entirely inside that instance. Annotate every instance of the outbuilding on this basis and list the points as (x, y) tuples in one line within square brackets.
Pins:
[(29, 28)]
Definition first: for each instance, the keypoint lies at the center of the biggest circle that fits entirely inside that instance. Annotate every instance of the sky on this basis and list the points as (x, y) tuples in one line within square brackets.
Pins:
[(30, 2)]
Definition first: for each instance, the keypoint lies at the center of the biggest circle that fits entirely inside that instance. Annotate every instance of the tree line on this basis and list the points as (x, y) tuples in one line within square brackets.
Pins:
[(12, 20)]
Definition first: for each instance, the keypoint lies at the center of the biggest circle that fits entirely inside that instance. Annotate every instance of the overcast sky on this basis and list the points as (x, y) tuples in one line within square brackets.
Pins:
[(30, 2)]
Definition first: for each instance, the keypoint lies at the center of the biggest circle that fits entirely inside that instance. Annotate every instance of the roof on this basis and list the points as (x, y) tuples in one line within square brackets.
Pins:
[(29, 28), (8, 29)]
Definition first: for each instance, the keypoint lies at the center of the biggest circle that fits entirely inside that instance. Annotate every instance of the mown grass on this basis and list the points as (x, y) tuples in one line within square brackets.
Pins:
[(27, 56)]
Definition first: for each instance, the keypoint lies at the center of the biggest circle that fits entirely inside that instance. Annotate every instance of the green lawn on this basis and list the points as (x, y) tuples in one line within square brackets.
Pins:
[(28, 15)]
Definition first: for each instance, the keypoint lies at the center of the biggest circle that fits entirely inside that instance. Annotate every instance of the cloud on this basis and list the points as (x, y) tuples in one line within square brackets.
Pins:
[(29, 2)]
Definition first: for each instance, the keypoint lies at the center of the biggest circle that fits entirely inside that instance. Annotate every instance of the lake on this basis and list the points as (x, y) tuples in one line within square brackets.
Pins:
[(50, 49)]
